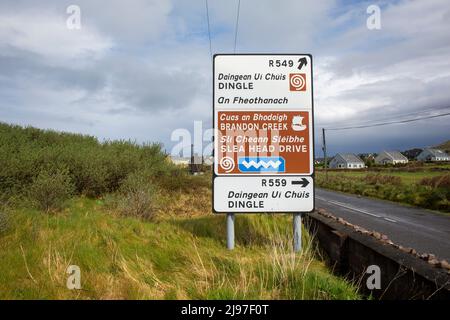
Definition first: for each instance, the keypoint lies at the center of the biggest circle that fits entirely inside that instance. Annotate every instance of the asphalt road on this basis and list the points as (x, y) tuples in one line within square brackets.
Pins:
[(421, 229)]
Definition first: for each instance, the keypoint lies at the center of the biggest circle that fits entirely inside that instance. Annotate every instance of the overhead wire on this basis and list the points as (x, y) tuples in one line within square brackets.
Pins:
[(236, 28), (388, 123), (390, 116), (209, 28)]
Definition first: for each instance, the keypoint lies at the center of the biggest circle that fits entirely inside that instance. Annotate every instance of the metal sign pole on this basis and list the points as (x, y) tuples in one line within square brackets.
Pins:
[(297, 232), (230, 231)]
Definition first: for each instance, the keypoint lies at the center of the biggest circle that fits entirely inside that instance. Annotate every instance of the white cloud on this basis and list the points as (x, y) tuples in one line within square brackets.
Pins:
[(46, 34), (132, 22)]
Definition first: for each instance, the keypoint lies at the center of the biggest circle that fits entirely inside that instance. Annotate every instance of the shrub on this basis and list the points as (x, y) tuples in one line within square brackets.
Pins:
[(382, 179), (95, 168), (437, 182), (136, 196), (50, 189), (4, 223)]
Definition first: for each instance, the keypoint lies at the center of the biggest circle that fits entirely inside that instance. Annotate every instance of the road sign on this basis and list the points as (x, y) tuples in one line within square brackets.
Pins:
[(263, 120)]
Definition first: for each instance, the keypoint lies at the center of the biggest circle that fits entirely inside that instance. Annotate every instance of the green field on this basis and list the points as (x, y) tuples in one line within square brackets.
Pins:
[(406, 177), (426, 186)]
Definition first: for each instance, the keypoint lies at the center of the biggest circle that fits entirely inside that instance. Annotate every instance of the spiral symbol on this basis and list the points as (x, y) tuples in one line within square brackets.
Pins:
[(227, 164), (297, 81)]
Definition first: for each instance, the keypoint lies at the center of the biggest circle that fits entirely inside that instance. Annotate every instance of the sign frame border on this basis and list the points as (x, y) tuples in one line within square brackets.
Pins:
[(213, 176)]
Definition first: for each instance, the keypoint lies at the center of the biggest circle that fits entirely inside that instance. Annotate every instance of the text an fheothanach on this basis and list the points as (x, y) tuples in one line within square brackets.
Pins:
[(254, 100)]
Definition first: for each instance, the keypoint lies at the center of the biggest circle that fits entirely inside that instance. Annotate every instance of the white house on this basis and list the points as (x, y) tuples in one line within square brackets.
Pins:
[(429, 154), (392, 157), (346, 161)]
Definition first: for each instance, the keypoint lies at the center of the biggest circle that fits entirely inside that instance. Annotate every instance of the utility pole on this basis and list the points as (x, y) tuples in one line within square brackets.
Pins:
[(192, 159), (324, 148)]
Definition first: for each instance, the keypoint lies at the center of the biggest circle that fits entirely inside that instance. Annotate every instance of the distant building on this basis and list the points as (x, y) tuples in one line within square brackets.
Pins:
[(429, 154), (346, 161), (390, 157)]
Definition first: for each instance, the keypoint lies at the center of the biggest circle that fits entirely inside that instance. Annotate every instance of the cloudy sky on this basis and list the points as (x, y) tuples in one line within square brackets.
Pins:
[(139, 69)]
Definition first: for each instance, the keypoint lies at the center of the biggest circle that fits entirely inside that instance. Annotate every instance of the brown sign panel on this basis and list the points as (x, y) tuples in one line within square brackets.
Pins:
[(263, 142)]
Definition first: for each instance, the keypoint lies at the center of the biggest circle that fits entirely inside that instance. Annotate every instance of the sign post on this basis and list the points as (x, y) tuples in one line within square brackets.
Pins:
[(230, 231), (297, 232), (264, 136)]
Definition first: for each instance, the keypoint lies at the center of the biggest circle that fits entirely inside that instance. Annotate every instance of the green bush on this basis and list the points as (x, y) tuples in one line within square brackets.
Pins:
[(50, 189), (136, 196), (95, 168)]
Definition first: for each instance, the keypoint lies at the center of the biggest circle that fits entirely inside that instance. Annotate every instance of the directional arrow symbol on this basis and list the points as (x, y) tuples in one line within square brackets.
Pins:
[(302, 62), (303, 183)]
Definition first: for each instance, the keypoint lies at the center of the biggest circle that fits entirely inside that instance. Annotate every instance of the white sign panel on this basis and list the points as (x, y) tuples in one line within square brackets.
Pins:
[(261, 82), (263, 194), (263, 120)]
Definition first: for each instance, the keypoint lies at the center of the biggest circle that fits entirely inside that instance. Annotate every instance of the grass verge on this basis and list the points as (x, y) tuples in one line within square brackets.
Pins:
[(170, 257), (429, 190)]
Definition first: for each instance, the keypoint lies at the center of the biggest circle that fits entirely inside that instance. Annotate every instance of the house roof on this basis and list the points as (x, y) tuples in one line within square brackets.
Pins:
[(396, 155), (437, 152), (349, 157)]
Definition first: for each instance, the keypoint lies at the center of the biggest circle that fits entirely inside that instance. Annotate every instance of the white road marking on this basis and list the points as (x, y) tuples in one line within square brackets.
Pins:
[(340, 204)]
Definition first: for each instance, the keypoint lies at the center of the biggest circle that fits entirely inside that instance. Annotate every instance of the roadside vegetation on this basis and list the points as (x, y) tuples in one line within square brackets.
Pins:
[(138, 227), (418, 184)]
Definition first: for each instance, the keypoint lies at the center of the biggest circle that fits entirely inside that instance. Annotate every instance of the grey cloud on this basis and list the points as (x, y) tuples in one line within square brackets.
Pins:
[(154, 88), (137, 85), (26, 66)]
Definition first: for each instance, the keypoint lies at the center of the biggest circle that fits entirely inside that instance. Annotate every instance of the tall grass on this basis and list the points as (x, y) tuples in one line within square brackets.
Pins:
[(278, 273), (172, 258)]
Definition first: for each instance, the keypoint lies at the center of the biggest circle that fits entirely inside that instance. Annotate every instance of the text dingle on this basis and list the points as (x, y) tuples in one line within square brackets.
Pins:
[(251, 199)]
